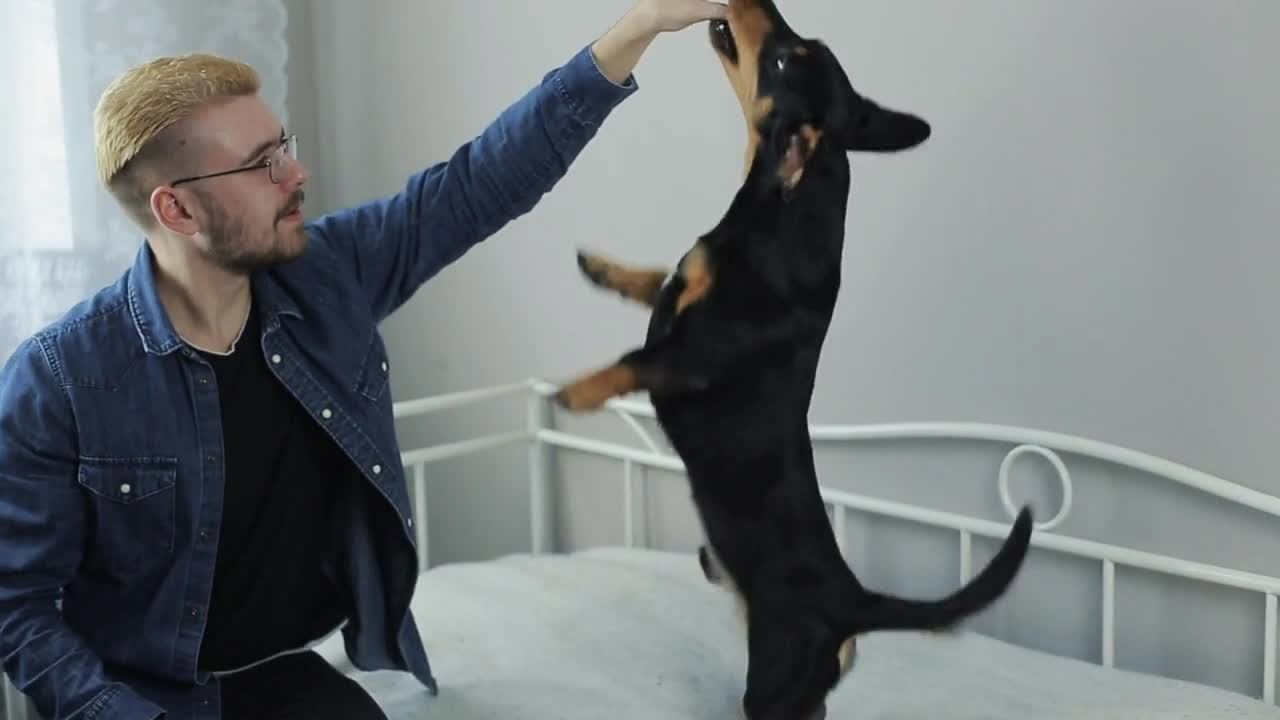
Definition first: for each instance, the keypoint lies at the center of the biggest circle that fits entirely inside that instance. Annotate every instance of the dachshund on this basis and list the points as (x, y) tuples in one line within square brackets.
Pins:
[(729, 362)]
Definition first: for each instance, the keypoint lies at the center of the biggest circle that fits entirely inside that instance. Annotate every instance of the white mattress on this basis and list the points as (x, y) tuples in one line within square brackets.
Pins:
[(617, 633)]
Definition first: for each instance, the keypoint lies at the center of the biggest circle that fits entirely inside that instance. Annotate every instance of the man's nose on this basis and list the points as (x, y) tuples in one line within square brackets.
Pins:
[(297, 174)]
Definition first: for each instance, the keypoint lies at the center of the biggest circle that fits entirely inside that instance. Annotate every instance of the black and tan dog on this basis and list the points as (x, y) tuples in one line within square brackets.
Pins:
[(729, 363)]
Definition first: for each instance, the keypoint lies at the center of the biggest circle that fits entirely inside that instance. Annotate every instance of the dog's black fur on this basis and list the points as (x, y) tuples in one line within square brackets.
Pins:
[(729, 362)]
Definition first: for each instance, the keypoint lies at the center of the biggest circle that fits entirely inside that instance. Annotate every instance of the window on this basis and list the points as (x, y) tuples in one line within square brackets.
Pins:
[(35, 181), (62, 237)]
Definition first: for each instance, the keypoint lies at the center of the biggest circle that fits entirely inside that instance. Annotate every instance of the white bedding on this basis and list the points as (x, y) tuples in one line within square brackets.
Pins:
[(617, 633)]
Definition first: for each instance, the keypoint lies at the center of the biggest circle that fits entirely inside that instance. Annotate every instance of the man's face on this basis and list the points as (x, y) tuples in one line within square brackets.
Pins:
[(244, 220)]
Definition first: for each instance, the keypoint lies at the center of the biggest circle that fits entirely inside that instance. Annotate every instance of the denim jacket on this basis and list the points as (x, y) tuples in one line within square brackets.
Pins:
[(110, 441)]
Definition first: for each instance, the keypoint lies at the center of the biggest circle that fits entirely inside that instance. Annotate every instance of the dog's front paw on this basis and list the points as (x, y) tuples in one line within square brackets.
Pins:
[(577, 398), (633, 283), (595, 268), (592, 392)]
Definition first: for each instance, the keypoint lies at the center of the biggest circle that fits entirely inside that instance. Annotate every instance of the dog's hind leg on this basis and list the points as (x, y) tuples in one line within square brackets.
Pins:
[(789, 669), (713, 570), (641, 285)]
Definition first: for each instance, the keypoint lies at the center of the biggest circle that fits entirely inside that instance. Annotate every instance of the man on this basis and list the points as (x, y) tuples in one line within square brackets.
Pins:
[(199, 476)]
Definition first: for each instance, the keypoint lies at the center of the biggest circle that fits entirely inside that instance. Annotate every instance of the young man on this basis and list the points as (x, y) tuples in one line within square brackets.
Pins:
[(199, 475)]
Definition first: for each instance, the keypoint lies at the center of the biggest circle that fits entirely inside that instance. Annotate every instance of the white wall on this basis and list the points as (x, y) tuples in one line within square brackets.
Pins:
[(1087, 244)]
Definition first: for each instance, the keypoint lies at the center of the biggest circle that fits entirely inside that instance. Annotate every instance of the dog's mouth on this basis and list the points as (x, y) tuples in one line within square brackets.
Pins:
[(722, 40)]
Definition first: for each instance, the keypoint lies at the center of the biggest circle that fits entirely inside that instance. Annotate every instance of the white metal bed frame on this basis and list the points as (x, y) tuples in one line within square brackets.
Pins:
[(541, 439)]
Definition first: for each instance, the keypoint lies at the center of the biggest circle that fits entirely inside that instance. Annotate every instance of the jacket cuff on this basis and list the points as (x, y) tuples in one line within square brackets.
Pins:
[(590, 95), (119, 702)]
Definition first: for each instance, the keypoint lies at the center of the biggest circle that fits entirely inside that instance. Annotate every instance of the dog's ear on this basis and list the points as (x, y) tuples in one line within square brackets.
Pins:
[(868, 126), (873, 128)]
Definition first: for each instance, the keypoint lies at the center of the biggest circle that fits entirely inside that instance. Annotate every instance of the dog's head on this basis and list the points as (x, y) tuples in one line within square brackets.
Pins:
[(796, 96)]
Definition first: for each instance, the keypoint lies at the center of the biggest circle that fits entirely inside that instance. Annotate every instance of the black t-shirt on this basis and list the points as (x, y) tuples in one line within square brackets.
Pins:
[(271, 589)]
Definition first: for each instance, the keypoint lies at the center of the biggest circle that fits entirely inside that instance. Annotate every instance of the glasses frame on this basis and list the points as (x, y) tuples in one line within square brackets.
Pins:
[(289, 146)]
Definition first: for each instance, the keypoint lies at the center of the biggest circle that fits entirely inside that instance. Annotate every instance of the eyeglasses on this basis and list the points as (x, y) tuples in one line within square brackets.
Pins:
[(276, 164)]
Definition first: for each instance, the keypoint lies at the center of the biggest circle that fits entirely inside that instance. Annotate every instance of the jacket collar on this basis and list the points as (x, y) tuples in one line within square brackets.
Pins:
[(152, 320)]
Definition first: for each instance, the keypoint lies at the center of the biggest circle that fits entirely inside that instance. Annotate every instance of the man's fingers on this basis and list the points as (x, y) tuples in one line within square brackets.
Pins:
[(671, 15), (715, 10)]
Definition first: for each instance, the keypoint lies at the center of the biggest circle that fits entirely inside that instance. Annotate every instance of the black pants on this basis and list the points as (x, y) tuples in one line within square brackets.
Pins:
[(301, 686)]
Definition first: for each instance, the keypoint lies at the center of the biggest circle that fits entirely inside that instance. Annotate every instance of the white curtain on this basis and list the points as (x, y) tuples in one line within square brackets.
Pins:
[(61, 236)]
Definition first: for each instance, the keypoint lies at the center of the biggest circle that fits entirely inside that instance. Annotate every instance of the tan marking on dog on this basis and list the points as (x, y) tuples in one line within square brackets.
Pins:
[(848, 651), (696, 272), (759, 111), (802, 147), (800, 50), (749, 26), (812, 136), (594, 390), (638, 284)]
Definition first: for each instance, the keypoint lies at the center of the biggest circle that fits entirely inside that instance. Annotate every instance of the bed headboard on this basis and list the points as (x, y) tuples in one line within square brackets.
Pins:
[(542, 439)]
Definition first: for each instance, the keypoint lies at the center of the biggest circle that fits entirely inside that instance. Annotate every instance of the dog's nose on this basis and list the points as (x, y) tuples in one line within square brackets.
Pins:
[(721, 37)]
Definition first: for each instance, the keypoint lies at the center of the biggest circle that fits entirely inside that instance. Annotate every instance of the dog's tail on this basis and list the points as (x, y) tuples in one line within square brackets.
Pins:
[(875, 611)]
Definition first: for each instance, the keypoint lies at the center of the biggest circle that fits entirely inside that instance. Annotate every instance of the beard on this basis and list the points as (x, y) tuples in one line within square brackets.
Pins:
[(237, 249)]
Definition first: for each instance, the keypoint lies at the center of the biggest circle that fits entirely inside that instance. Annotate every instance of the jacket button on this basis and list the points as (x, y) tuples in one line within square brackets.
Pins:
[(124, 488), (377, 469), (410, 521), (326, 413), (384, 366), (275, 359)]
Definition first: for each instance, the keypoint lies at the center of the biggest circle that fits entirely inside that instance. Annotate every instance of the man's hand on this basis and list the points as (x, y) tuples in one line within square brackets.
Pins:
[(675, 15), (619, 50)]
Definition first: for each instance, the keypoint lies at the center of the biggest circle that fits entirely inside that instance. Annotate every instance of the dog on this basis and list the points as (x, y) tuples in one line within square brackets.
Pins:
[(730, 357)]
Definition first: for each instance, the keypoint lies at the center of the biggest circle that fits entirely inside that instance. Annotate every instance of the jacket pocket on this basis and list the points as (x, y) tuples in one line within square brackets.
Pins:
[(374, 370), (132, 507)]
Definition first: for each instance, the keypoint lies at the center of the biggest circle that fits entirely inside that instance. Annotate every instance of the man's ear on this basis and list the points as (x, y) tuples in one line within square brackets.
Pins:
[(873, 128)]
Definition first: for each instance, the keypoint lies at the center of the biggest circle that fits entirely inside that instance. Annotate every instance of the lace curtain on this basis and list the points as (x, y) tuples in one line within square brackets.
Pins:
[(61, 236)]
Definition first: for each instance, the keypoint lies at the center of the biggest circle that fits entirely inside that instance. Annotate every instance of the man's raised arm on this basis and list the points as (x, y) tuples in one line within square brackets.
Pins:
[(395, 244)]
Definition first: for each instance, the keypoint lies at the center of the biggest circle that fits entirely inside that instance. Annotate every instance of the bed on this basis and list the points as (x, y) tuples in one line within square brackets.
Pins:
[(630, 631)]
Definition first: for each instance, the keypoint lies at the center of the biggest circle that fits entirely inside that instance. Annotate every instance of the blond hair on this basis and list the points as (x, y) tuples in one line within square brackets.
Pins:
[(140, 105)]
